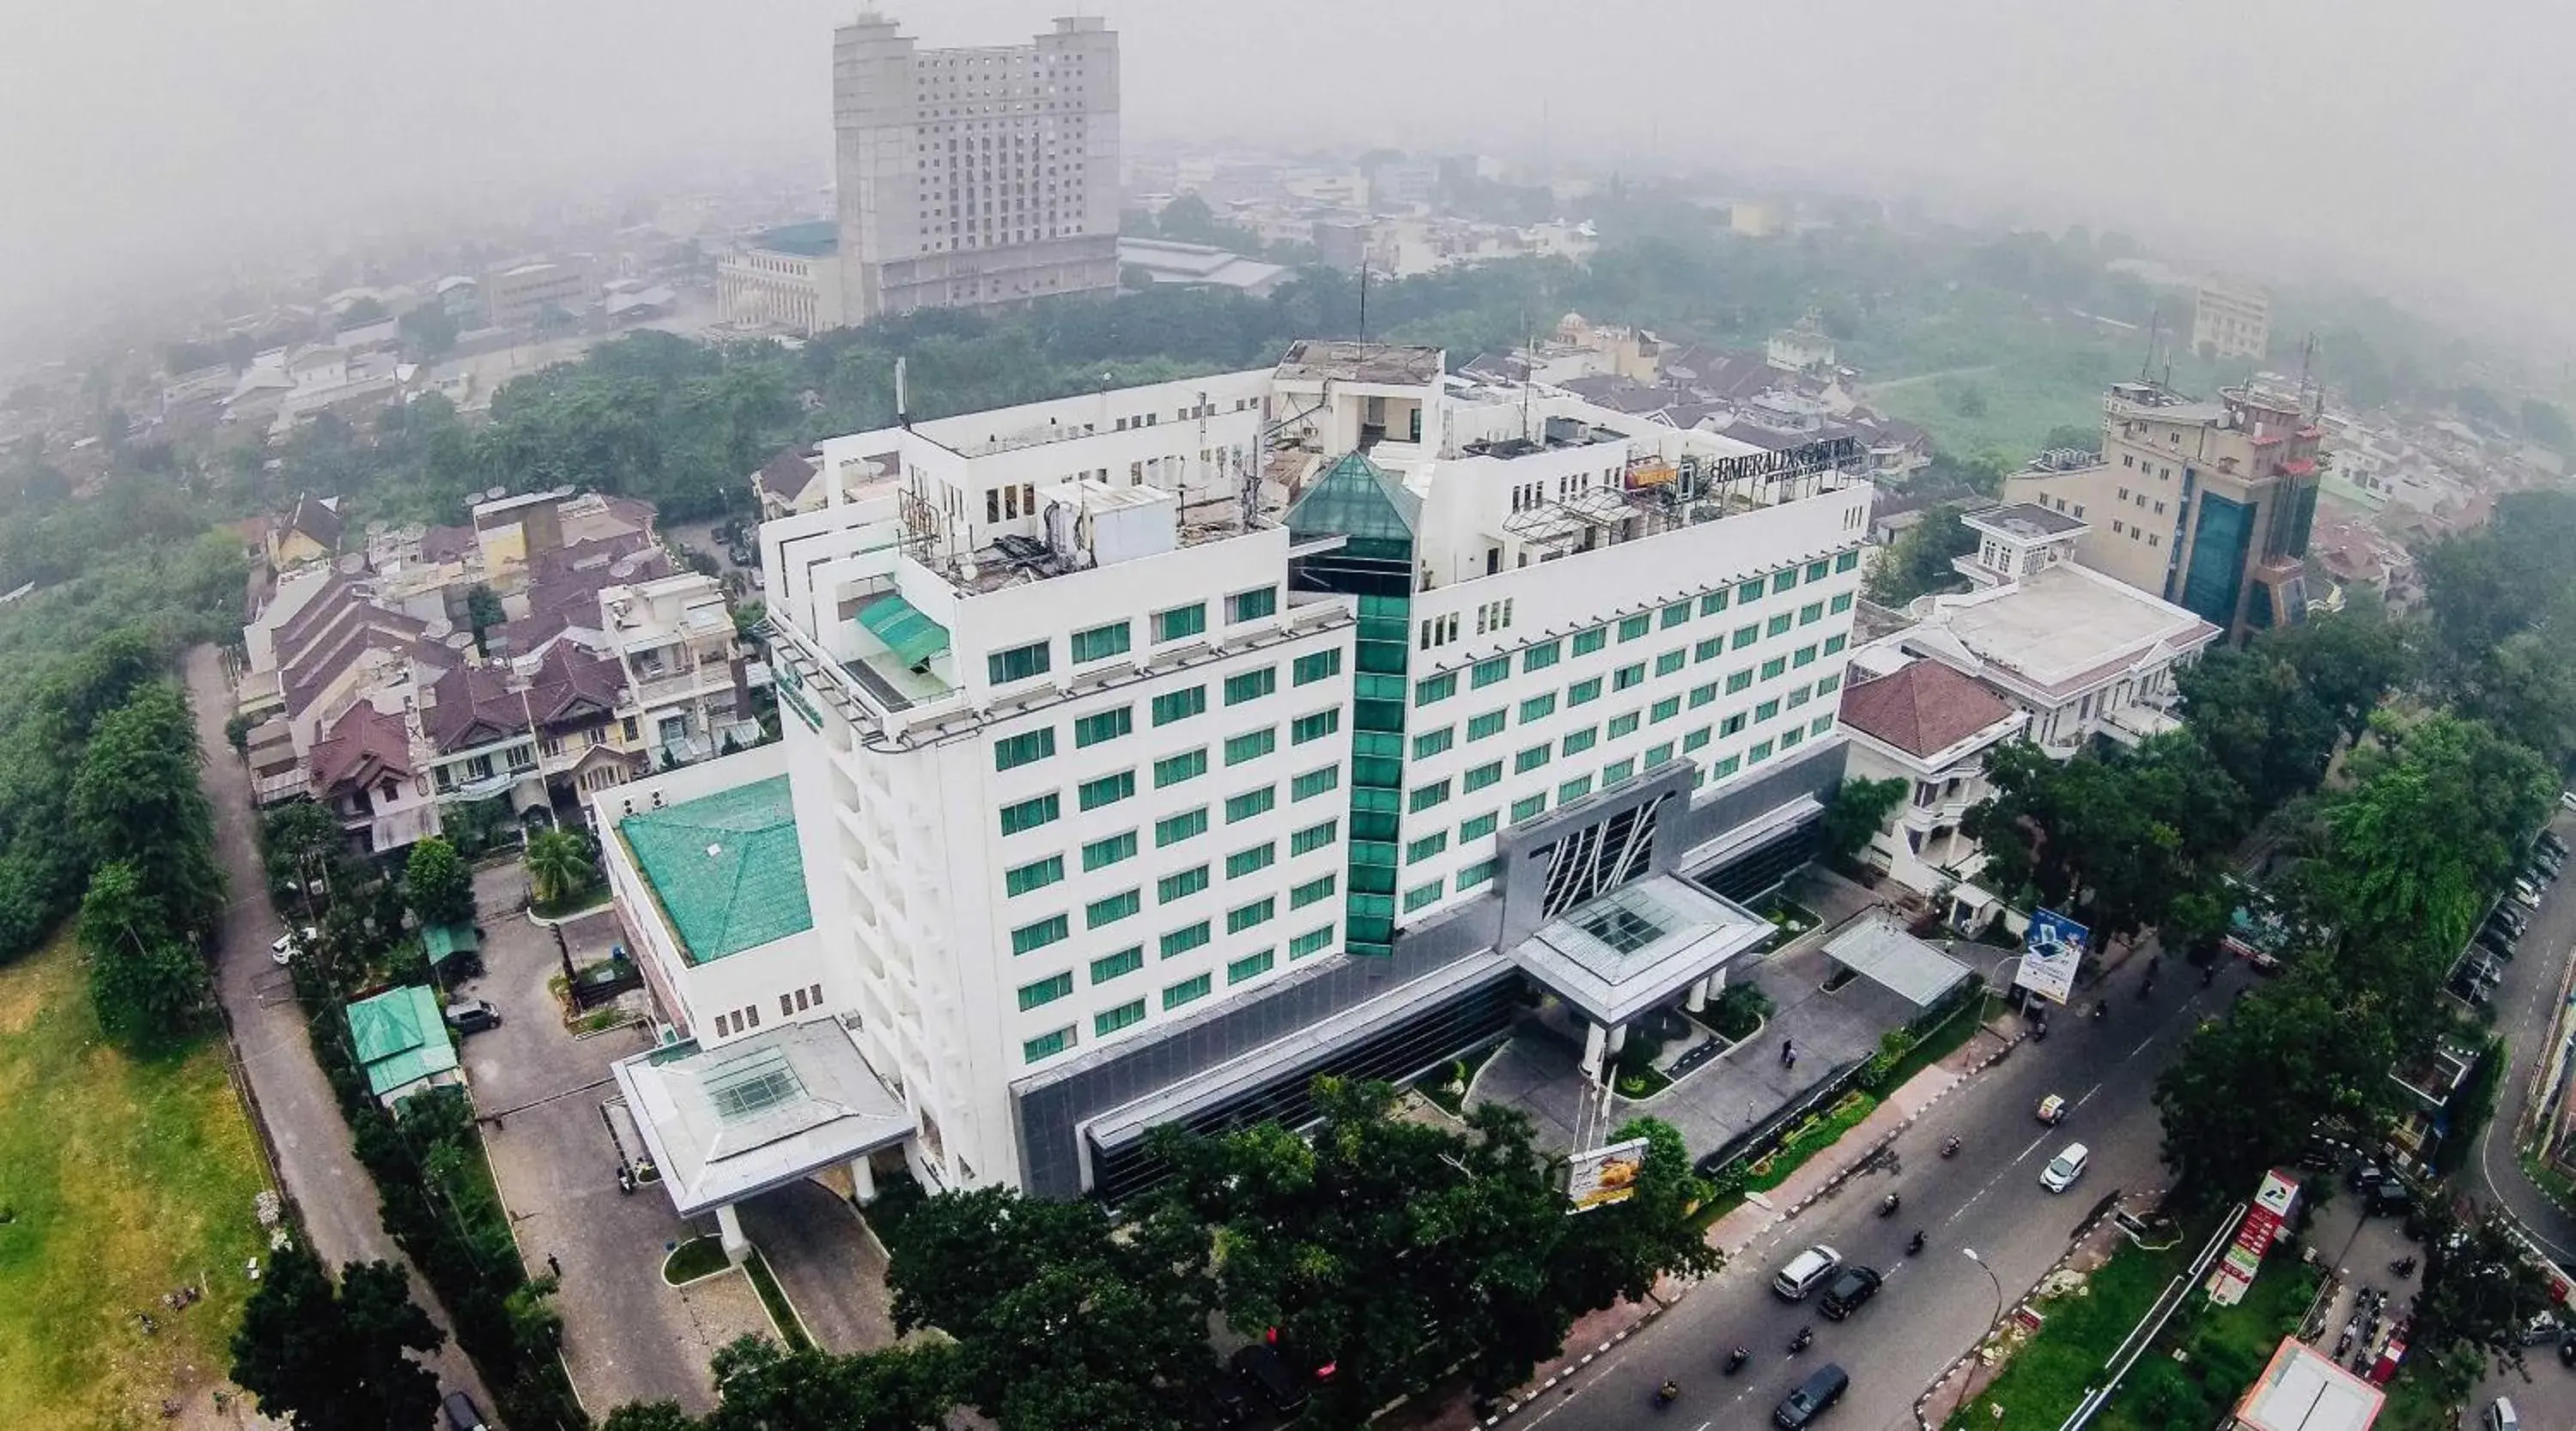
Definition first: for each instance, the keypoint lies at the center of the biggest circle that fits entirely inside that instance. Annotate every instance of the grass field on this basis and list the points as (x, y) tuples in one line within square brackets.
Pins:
[(121, 1181)]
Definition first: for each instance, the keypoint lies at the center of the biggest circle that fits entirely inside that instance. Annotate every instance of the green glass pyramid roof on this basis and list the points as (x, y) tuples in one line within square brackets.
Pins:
[(1356, 498)]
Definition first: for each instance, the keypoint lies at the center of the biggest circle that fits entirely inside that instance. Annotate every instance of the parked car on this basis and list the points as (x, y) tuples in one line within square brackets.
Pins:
[(1267, 1372), (1805, 1271), (472, 1016), (2065, 1168), (463, 1414), (2525, 895), (1823, 1387), (2549, 841), (2390, 1199), (1850, 1290), (291, 943)]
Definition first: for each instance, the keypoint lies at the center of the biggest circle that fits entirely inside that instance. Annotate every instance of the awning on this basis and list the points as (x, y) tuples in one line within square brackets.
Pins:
[(446, 941), (1896, 961), (913, 637)]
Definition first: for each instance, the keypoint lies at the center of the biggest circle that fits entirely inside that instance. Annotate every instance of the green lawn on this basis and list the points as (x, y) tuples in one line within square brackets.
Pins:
[(2047, 1376), (698, 1257), (120, 1180), (774, 1297)]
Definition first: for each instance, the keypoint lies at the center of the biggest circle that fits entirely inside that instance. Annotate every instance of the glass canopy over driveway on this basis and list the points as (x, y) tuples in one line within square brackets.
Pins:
[(1621, 954)]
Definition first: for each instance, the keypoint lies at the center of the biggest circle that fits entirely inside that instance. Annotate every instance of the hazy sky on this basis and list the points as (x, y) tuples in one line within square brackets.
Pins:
[(2430, 141)]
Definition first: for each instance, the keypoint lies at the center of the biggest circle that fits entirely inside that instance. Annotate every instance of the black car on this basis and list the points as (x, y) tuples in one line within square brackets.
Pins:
[(2549, 841), (1822, 1388), (2390, 1198), (463, 1414), (1225, 1406), (2496, 941), (1851, 1287), (1267, 1372)]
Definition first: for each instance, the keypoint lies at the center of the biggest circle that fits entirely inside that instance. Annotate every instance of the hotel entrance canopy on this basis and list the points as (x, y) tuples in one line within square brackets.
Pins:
[(1621, 954)]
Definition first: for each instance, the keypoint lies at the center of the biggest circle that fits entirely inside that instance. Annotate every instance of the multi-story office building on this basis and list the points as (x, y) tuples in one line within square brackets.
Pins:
[(974, 177), (2230, 321), (1151, 752), (520, 295), (2205, 504), (786, 278)]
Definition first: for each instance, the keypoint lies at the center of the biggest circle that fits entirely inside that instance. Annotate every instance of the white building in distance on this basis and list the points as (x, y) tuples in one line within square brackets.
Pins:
[(1153, 751)]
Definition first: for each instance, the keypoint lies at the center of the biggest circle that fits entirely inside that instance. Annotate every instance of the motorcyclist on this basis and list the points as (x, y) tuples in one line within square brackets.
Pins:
[(1670, 1392), (1889, 1204), (1950, 1146), (1915, 1243), (1800, 1342)]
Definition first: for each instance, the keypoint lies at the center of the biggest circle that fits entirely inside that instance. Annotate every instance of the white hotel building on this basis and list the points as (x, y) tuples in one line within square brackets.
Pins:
[(1150, 752)]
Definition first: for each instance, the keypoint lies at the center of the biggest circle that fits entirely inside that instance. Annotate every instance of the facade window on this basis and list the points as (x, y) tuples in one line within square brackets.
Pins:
[(1126, 1015), (1628, 677), (1588, 641), (1806, 656), (1574, 789), (1180, 705), (1321, 666), (1538, 707), (1740, 681), (1426, 796), (1703, 695), (1633, 627), (1528, 760), (1319, 888), (1432, 742), (1836, 643), (1422, 895), (1476, 874), (1092, 729), (1847, 561), (1182, 885), (1107, 790), (1670, 662), (1314, 782), (1047, 1045), (1240, 808), (1125, 961), (1712, 602), (1250, 966), (1675, 614), (1617, 772), (1744, 636), (1478, 828), (1018, 663), (1187, 825), (1486, 673), (1037, 874), (1251, 861), (1428, 847), (1186, 991), (1658, 754), (1251, 685), (1841, 604), (1101, 854), (1180, 622), (1760, 752), (1820, 725), (1697, 739), (1481, 776), (1783, 580), (1173, 769), (1434, 689), (1749, 591), (1012, 752), (1529, 807), (1540, 656), (1665, 709), (1045, 991), (1726, 767), (1028, 814), (1257, 913), (1252, 605), (1623, 725), (1710, 649), (1828, 685), (1583, 691), (1251, 745), (1100, 642), (1313, 838), (1774, 668), (1314, 727), (1767, 709), (1816, 570), (1577, 742), (1811, 613), (1777, 625), (1112, 909), (1031, 937), (1313, 941), (1488, 724)]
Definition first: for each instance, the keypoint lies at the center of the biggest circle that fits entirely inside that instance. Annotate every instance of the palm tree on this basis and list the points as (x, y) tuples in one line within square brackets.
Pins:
[(558, 865)]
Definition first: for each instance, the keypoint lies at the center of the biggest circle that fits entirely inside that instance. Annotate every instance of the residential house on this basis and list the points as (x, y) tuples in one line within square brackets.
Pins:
[(400, 1038), (790, 483), (675, 644), (310, 533), (1932, 727)]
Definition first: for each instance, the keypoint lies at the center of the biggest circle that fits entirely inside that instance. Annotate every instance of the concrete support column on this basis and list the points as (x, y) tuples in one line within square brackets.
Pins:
[(1594, 1036), (729, 1232), (1618, 1038), (1697, 1002), (863, 1181)]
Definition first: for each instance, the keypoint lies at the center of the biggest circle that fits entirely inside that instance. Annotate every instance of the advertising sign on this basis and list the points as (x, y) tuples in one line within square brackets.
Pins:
[(1605, 1175), (2263, 1222), (2050, 955)]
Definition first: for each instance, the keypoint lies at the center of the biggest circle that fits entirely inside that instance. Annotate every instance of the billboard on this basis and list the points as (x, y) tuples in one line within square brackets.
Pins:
[(1605, 1175), (2050, 955), (2263, 1222)]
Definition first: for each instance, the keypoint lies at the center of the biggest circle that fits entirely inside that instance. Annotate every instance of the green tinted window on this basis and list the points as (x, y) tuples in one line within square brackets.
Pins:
[(1703, 695), (1711, 603), (1126, 1015), (1481, 776), (1538, 707), (1313, 941), (1806, 656), (1314, 837), (1478, 828), (1767, 709), (1256, 913), (1582, 691), (1529, 808), (1422, 895), (1243, 807), (1028, 814), (1251, 745), (1180, 705), (1588, 641), (1425, 848), (1432, 742), (1314, 783), (1244, 862), (1321, 666), (1251, 685), (1173, 769), (1103, 725), (1665, 709), (1100, 854), (1628, 677), (1030, 937), (1623, 725), (1426, 796), (1840, 604), (1035, 875), (1745, 636), (1180, 621), (1773, 667), (1749, 591), (1250, 966), (1812, 612), (1476, 874), (1435, 688), (1670, 662), (1540, 656), (1577, 742), (1710, 649), (1632, 627), (1485, 673), (1574, 789), (1676, 614), (1046, 1046), (1777, 625), (1530, 759), (1100, 642), (1188, 824), (1017, 664), (1109, 911), (1835, 643), (1252, 605), (1490, 723), (1186, 991), (1816, 570), (1182, 885), (1782, 581), (1846, 561), (1616, 772), (1319, 888), (1107, 790), (1019, 750), (1110, 966), (1314, 727), (1658, 754)]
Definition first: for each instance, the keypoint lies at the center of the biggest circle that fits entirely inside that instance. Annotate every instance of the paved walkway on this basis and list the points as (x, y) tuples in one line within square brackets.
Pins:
[(318, 1162)]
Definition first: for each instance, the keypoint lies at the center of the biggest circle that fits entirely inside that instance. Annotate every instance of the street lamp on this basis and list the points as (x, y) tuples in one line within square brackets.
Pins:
[(1970, 1253)]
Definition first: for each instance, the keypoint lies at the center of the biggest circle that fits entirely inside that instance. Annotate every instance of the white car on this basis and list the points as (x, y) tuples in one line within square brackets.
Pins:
[(1806, 1270), (292, 940), (2065, 1168)]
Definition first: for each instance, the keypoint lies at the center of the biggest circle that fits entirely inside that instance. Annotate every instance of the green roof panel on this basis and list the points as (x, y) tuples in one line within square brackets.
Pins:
[(913, 637), (725, 868), (400, 1038), (1356, 498), (446, 941)]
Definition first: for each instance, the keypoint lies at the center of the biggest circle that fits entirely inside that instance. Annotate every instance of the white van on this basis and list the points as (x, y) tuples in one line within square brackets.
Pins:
[(2500, 1416), (2065, 1168)]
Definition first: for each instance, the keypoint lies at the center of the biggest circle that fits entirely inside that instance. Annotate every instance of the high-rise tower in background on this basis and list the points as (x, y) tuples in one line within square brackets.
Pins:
[(974, 177)]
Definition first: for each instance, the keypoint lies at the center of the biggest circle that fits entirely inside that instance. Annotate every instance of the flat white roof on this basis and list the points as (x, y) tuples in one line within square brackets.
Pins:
[(2303, 1391), (726, 1123), (2065, 622)]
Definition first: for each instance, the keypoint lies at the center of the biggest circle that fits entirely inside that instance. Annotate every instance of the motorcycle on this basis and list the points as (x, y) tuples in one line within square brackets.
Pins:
[(1888, 1205), (1950, 1146), (1914, 1244), (1668, 1393), (1805, 1338), (2403, 1266), (2101, 1012), (2039, 1030), (1735, 1360)]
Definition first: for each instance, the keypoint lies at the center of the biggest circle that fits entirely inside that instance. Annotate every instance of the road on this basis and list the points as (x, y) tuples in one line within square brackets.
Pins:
[(1934, 1306), (2526, 1001), (316, 1158)]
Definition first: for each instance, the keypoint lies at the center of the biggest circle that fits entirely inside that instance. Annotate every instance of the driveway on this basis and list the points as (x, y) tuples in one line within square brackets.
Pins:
[(293, 1102), (830, 1265)]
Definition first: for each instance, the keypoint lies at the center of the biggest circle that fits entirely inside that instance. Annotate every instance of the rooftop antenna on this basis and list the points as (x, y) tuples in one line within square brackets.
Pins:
[(1529, 371), (1363, 301), (2155, 323)]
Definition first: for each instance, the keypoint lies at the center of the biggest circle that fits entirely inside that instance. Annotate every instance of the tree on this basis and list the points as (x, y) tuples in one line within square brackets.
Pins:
[(2250, 1088), (2260, 722), (1860, 807), (340, 1361), (2546, 423), (437, 884), (361, 313), (483, 612), (135, 797), (1135, 277), (2481, 1289), (146, 985), (2430, 827), (429, 332), (1918, 562), (559, 865), (1061, 1317)]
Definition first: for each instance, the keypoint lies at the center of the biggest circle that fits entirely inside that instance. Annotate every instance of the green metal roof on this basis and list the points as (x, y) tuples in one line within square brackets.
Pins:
[(725, 868), (400, 1038), (913, 637), (1356, 498), (445, 941), (811, 240)]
